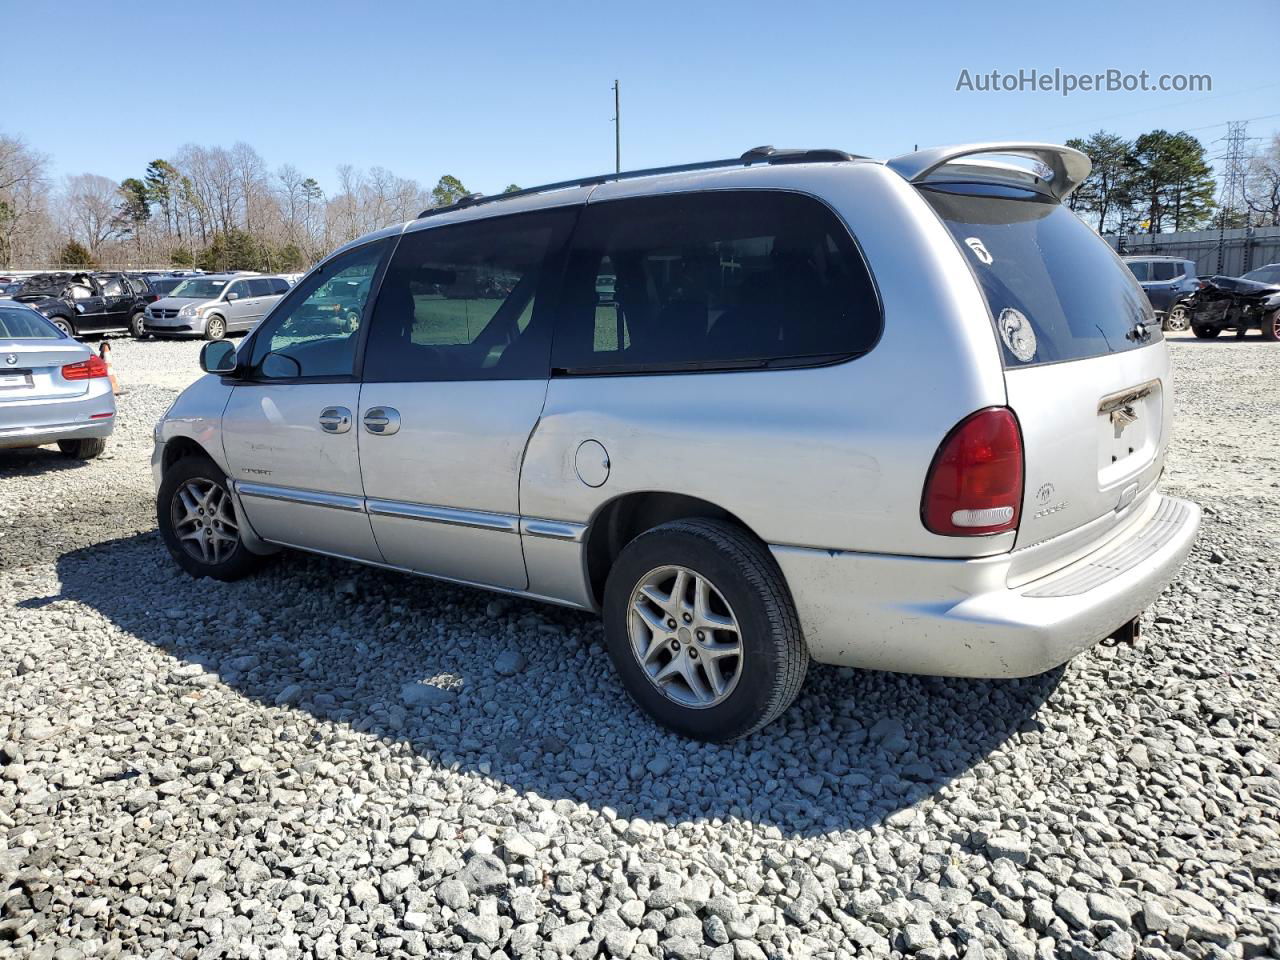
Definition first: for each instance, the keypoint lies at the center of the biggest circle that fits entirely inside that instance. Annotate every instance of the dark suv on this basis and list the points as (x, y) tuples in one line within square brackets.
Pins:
[(85, 303), (1167, 282)]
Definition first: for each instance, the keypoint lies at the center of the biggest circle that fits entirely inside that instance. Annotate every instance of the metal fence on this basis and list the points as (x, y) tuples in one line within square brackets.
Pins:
[(1229, 253)]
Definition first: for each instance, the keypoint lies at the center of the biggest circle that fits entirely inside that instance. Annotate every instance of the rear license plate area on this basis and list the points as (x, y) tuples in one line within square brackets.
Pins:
[(1128, 426), (15, 379)]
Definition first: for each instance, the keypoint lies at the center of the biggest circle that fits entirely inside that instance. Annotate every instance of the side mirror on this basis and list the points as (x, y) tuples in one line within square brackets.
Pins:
[(218, 356), (233, 296)]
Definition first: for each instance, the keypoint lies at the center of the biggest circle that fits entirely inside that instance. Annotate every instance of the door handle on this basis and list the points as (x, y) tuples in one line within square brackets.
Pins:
[(382, 421), (335, 419)]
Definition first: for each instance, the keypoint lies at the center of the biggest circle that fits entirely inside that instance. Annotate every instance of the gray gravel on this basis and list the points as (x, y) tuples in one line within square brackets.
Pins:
[(330, 761)]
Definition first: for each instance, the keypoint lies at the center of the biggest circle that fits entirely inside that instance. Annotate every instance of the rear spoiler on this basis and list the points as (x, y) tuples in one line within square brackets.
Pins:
[(1069, 167)]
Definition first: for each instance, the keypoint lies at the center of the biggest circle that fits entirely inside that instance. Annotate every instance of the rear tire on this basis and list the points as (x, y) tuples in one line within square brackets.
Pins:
[(137, 326), (198, 522), (743, 586), (215, 328), (63, 324), (1205, 333), (1177, 319), (86, 448), (1271, 326)]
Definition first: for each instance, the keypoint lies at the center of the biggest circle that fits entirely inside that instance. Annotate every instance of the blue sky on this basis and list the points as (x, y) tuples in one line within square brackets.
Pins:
[(501, 92)]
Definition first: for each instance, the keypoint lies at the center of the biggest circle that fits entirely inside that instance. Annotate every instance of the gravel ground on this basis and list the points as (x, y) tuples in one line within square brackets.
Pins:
[(330, 761)]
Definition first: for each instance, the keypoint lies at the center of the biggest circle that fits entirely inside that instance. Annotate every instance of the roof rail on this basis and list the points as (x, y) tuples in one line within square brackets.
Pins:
[(1069, 166), (765, 154)]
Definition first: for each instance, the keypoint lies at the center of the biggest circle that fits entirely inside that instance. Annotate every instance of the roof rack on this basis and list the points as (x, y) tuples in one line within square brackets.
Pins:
[(765, 154)]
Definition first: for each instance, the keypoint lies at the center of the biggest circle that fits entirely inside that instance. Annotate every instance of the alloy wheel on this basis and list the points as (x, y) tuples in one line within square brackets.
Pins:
[(204, 520), (1179, 318), (685, 636)]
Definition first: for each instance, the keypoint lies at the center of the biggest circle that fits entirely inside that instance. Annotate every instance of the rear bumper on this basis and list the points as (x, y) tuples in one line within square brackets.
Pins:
[(31, 423), (960, 617)]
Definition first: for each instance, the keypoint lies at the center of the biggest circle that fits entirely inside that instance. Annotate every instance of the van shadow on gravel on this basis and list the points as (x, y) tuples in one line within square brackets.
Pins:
[(340, 642), (33, 462)]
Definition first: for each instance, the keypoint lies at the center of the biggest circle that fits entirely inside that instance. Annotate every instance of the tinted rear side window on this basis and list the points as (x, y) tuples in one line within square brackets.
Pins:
[(716, 280), (1141, 269), (1055, 289), (1165, 270)]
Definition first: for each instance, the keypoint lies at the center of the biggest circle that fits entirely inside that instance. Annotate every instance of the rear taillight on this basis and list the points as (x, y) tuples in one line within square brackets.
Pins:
[(974, 486), (85, 370)]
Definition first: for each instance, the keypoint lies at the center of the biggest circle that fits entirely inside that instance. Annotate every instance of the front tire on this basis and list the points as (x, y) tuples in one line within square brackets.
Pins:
[(137, 326), (1271, 326), (702, 630), (215, 328), (86, 448), (1205, 333), (198, 522), (63, 324)]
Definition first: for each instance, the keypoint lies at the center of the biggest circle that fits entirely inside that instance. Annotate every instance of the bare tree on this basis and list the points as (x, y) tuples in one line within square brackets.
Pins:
[(1262, 185), (91, 203), (23, 194)]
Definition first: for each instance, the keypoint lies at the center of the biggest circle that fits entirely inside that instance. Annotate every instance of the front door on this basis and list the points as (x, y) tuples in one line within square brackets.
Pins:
[(238, 308), (289, 430), (455, 374)]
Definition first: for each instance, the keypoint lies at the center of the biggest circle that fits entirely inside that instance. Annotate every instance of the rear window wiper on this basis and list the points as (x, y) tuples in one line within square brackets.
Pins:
[(1138, 333)]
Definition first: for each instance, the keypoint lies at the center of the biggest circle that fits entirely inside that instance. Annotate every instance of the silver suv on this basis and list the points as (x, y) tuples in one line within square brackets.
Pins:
[(213, 305), (906, 416)]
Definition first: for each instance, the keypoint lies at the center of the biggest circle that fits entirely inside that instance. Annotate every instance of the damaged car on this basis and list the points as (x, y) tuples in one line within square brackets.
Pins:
[(86, 303), (1235, 303)]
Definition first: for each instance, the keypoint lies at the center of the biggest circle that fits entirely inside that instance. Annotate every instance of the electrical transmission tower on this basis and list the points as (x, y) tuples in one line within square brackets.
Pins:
[(1235, 167)]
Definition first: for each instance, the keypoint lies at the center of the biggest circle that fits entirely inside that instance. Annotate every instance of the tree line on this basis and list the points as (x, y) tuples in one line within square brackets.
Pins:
[(222, 208), (1162, 182), (215, 208)]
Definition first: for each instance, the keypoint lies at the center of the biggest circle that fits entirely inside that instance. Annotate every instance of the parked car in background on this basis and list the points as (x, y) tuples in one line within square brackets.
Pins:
[(1167, 282), (751, 457), (1235, 303), (213, 305), (86, 303), (52, 388), (160, 286), (1268, 274)]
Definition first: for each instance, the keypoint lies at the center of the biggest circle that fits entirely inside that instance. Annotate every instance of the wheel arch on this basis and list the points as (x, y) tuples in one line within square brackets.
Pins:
[(619, 521), (180, 446)]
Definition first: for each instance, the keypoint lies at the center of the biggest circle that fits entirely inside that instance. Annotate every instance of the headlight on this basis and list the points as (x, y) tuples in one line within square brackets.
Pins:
[(186, 311)]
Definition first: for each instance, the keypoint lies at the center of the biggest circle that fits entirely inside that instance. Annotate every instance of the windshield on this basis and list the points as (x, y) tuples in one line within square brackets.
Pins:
[(200, 289), (1056, 290), (26, 325)]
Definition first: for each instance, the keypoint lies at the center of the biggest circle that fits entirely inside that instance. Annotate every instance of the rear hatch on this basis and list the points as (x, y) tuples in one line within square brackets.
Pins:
[(1086, 368), (32, 355)]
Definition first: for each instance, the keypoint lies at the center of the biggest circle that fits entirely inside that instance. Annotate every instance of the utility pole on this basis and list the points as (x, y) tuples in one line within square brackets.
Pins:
[(617, 131)]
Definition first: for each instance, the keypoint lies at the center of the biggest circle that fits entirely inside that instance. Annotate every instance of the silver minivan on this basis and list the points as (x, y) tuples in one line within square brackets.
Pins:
[(795, 405), (213, 305)]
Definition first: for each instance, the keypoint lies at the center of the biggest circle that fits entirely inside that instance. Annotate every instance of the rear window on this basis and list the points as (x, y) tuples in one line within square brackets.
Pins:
[(26, 325), (1139, 268), (1055, 289), (715, 280), (1165, 270)]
